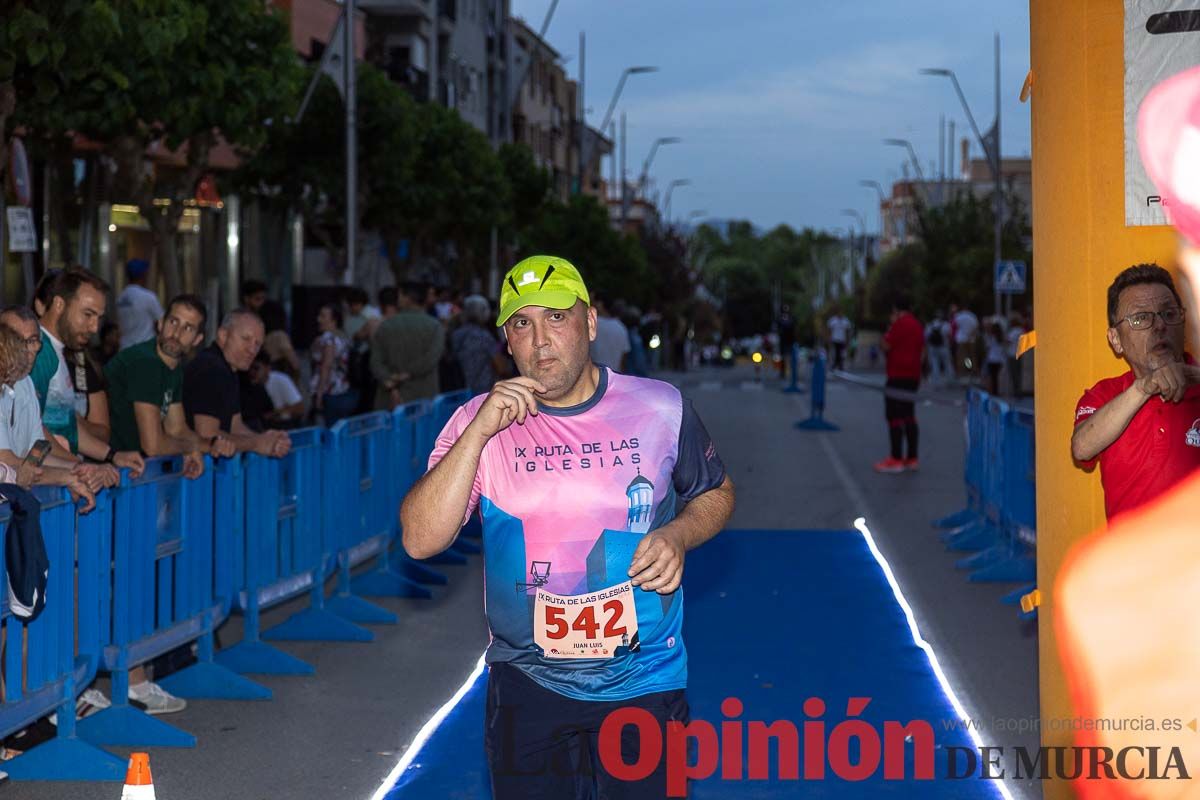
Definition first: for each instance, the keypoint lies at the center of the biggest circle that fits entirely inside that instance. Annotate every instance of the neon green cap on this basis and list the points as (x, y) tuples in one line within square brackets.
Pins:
[(546, 281)]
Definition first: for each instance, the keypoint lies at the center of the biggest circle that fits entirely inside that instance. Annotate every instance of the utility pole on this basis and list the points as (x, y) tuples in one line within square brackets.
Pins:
[(997, 199), (581, 115), (624, 182)]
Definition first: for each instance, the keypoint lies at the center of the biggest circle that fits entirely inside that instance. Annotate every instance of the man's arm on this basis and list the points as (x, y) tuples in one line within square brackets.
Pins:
[(658, 561), (168, 437), (427, 358), (432, 513), (1092, 436), (97, 421), (244, 440)]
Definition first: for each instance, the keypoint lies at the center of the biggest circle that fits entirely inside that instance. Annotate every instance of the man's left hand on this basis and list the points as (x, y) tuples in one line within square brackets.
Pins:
[(658, 562)]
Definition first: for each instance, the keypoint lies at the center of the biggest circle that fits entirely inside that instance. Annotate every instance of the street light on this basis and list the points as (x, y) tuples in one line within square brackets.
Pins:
[(912, 154), (882, 200), (991, 153), (667, 201), (612, 104), (650, 159)]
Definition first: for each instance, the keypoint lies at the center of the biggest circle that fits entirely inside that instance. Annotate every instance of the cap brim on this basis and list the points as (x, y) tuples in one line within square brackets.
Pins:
[(546, 299)]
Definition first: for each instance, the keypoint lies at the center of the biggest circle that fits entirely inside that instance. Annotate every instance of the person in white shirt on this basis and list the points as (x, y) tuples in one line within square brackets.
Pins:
[(138, 309), (966, 329), (611, 344), (287, 403), (839, 336)]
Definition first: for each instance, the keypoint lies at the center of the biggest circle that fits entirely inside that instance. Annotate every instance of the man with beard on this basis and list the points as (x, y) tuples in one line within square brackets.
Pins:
[(76, 305), (1143, 427), (212, 396), (576, 469), (146, 391)]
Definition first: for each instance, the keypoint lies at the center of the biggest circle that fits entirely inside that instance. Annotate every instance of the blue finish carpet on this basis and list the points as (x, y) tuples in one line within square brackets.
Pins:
[(772, 618)]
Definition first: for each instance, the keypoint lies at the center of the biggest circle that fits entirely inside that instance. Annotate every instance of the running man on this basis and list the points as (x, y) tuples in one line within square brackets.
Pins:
[(584, 551)]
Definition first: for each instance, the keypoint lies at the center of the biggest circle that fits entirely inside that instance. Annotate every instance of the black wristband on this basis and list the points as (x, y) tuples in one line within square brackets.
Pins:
[(110, 455)]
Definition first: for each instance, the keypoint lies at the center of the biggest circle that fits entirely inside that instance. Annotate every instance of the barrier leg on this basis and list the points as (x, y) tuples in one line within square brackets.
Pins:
[(318, 623), (416, 571), (346, 605), (956, 520), (385, 581), (254, 656), (1010, 569), (211, 681), (987, 558), (66, 757), (122, 724), (975, 536)]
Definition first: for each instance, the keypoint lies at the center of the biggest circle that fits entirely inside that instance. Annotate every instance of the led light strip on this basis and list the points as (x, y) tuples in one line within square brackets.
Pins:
[(920, 642), (423, 735)]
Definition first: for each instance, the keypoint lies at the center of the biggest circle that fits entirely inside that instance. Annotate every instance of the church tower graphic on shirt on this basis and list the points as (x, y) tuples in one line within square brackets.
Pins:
[(641, 502), (609, 559)]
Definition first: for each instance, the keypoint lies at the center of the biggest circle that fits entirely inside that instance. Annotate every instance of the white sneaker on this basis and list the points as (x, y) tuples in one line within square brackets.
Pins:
[(86, 704), (153, 699)]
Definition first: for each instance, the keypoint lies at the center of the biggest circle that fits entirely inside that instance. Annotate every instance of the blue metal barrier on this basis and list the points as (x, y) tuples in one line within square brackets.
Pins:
[(974, 464), (47, 673), (1012, 558), (296, 547), (406, 421), (163, 597), (279, 553), (358, 458)]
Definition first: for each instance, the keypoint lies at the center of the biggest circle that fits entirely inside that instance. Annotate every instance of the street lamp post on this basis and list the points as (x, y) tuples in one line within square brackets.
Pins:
[(882, 200), (912, 154), (667, 201), (612, 104), (650, 159), (990, 151)]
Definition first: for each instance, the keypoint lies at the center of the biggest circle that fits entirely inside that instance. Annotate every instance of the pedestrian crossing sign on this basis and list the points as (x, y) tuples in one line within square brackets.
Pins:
[(1010, 277)]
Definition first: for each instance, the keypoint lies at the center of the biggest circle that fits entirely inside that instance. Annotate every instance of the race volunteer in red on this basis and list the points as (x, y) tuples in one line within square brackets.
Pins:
[(1143, 427), (576, 470), (904, 343)]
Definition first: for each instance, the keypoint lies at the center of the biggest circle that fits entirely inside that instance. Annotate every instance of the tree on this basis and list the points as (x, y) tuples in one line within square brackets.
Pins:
[(164, 73), (528, 186), (611, 263)]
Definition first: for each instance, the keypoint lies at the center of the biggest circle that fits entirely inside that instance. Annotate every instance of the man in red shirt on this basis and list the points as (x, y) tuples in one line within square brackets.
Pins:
[(904, 342), (1144, 426)]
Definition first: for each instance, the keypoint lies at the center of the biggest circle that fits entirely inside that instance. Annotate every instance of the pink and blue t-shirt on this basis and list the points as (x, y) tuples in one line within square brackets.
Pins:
[(565, 499)]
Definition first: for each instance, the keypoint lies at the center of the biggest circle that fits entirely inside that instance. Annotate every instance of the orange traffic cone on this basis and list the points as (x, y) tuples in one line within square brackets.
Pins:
[(139, 785)]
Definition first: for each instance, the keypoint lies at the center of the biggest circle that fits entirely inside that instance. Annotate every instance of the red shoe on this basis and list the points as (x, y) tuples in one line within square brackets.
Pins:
[(890, 466), (911, 465)]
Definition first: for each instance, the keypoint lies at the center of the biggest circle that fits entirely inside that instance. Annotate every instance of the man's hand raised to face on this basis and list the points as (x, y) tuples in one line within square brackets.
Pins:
[(1169, 381), (510, 401)]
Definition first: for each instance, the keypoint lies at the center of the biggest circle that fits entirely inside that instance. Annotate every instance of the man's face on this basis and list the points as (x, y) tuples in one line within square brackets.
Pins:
[(255, 301), (551, 346), (31, 338), (179, 331), (241, 341), (79, 318), (1152, 347), (355, 308)]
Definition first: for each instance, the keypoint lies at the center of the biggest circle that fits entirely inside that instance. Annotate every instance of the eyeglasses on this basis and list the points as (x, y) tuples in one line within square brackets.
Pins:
[(32, 342), (1145, 319)]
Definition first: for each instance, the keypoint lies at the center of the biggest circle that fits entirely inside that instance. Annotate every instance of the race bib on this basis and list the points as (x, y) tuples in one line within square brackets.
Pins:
[(590, 625)]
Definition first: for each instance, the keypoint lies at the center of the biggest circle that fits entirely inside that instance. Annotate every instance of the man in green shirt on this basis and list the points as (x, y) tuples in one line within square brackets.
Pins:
[(74, 305), (145, 385), (405, 352)]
